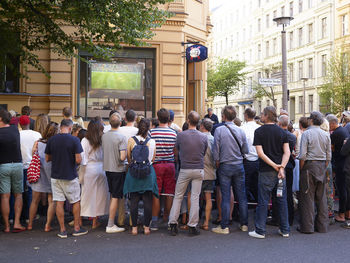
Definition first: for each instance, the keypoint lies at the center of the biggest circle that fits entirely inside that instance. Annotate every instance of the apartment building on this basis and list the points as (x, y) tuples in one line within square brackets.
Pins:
[(244, 30)]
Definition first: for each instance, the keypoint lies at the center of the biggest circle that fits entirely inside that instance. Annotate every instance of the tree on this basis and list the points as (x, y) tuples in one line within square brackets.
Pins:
[(261, 91), (67, 26), (335, 93), (224, 78)]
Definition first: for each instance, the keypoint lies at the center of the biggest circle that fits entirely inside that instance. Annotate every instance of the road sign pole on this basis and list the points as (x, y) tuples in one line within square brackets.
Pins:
[(284, 72)]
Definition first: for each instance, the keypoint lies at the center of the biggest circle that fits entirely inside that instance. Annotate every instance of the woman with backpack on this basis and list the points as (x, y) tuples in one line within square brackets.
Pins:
[(141, 180), (94, 187), (43, 185)]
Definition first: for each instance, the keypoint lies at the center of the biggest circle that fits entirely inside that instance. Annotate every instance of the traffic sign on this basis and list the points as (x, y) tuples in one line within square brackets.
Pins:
[(270, 82)]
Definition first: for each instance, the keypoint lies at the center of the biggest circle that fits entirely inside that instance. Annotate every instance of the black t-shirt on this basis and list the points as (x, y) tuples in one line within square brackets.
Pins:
[(271, 138), (10, 145), (292, 140), (62, 148), (337, 139)]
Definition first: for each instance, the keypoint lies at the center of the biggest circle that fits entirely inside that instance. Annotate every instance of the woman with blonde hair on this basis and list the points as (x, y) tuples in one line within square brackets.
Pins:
[(43, 185), (42, 120)]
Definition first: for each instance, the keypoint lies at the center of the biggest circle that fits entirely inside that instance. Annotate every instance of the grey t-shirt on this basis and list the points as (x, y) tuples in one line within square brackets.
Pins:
[(192, 146), (112, 143)]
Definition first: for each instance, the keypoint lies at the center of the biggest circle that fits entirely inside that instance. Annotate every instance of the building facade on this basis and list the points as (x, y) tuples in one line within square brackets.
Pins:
[(149, 78), (246, 32)]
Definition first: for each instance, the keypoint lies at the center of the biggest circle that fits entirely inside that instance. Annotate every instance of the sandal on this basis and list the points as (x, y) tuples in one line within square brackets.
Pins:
[(339, 219), (184, 227), (134, 233), (146, 232), (205, 227)]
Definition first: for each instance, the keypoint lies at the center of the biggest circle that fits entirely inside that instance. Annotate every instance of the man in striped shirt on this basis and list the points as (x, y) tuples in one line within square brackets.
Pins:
[(164, 164)]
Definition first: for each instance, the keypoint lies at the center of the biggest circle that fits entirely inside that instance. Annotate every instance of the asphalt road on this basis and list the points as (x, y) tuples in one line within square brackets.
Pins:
[(97, 246)]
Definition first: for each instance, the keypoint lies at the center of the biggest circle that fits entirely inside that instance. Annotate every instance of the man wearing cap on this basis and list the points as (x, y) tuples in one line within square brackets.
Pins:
[(171, 123), (27, 139), (212, 116)]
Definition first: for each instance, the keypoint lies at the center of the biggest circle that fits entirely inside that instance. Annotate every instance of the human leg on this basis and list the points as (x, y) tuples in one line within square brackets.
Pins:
[(134, 202), (33, 208), (147, 205), (282, 207), (121, 211), (225, 186), (341, 188), (60, 215), (50, 212), (208, 208), (238, 181), (289, 188), (322, 218), (76, 215), (5, 210), (197, 176)]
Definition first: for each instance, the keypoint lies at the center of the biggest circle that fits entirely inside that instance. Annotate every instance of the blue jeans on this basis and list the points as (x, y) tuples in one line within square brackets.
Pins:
[(233, 175), (267, 183)]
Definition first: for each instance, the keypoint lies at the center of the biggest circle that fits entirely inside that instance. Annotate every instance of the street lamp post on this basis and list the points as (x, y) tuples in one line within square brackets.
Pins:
[(284, 21), (304, 99)]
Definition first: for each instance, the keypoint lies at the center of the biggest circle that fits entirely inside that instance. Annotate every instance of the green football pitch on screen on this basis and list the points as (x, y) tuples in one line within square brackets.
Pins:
[(115, 80)]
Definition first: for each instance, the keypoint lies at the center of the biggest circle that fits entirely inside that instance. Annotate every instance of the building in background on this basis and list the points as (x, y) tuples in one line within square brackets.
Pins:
[(245, 31), (149, 78)]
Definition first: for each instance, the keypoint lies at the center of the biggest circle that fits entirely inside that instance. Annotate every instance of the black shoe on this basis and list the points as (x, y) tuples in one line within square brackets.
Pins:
[(193, 231), (173, 229), (303, 232), (216, 222)]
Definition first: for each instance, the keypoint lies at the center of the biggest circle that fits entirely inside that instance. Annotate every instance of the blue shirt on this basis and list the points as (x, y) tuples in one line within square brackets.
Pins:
[(226, 149)]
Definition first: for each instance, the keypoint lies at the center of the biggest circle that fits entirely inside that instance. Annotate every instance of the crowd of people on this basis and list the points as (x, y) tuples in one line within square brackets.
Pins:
[(107, 170)]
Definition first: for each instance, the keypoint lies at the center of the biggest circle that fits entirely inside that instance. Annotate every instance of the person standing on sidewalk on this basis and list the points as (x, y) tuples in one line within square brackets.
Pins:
[(272, 146), (114, 146), (230, 146), (191, 146), (315, 153), (64, 150)]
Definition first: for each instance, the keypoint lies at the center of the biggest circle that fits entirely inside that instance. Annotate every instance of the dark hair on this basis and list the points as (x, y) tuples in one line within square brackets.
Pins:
[(82, 134), (155, 122), (193, 118), (237, 121), (250, 113), (67, 112), (66, 123), (185, 126), (143, 127), (130, 115), (76, 127), (270, 113), (290, 127), (5, 116), (316, 117), (94, 133), (111, 112), (50, 130), (303, 122), (26, 110), (229, 112), (207, 124), (163, 115)]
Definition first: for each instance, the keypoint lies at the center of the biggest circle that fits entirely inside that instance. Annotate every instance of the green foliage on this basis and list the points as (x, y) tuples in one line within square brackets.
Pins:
[(27, 26), (224, 78), (335, 93)]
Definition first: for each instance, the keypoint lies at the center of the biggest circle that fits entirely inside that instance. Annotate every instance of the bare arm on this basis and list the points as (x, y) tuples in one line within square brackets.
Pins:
[(286, 155), (78, 158), (123, 155), (48, 158), (265, 158)]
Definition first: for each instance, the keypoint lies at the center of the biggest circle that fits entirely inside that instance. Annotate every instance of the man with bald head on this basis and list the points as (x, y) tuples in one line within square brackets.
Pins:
[(191, 145)]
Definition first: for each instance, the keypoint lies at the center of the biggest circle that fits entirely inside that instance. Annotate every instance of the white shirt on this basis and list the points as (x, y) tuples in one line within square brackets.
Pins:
[(175, 127), (28, 138), (128, 131), (107, 128), (249, 129)]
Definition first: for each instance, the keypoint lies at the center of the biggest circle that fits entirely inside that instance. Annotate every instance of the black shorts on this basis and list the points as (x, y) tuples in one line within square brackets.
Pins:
[(116, 183), (208, 186)]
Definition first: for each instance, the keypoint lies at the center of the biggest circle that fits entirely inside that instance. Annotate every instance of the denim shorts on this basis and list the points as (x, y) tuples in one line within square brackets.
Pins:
[(11, 178)]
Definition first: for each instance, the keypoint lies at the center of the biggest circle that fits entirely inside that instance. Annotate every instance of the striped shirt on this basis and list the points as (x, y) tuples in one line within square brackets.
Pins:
[(165, 142)]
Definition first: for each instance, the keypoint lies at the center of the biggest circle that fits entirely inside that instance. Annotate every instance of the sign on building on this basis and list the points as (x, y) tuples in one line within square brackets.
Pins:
[(270, 82), (196, 53)]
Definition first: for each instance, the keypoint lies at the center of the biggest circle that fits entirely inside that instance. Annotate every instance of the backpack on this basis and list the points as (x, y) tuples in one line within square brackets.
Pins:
[(140, 166)]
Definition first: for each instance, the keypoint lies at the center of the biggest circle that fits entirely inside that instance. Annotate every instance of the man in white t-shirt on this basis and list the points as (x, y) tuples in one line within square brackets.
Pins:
[(251, 162), (28, 138)]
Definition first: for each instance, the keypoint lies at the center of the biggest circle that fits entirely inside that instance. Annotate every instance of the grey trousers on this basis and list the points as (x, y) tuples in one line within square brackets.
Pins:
[(312, 197), (187, 176)]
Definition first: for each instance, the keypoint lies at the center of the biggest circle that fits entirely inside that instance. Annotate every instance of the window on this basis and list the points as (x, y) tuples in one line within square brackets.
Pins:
[(300, 6), (232, 40), (310, 3), (282, 11), (311, 68), (267, 48), (291, 10), (98, 98), (259, 107), (250, 31), (310, 33), (250, 85), (267, 21), (291, 72), (259, 75), (9, 79), (300, 32), (301, 104), (324, 65), (324, 27), (311, 103), (345, 25), (274, 46), (291, 36), (259, 51), (275, 14), (259, 25), (267, 103), (300, 66)]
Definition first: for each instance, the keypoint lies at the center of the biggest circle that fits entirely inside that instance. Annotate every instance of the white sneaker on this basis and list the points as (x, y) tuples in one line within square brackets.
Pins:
[(244, 228), (219, 230), (256, 235), (283, 234), (114, 229)]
